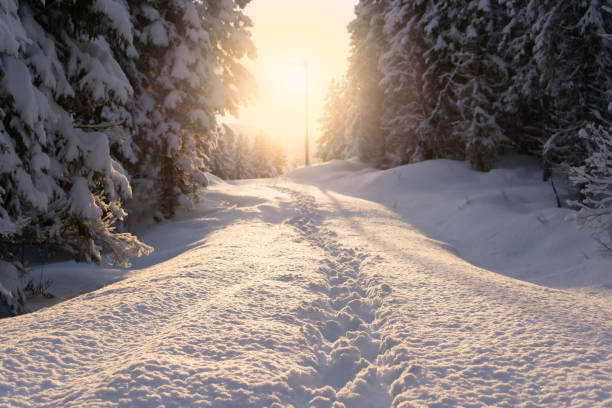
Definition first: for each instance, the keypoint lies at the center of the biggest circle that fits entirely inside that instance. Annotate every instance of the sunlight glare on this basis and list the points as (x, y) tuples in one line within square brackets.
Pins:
[(287, 33), (292, 78)]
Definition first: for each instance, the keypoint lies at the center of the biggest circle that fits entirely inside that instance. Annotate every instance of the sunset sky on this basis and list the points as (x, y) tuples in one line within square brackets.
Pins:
[(287, 33)]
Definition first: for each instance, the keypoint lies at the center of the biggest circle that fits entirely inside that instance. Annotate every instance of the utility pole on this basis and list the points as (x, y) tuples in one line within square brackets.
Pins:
[(306, 152)]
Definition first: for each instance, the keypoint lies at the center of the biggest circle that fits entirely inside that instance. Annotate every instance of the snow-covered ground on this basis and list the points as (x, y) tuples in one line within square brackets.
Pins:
[(334, 286)]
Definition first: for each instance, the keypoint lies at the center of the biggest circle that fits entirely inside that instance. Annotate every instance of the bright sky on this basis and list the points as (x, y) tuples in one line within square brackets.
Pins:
[(288, 33)]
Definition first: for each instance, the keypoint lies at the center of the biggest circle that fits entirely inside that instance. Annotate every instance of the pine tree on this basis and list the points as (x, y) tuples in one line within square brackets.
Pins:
[(482, 77), (594, 179), (363, 78), (222, 157), (333, 143), (262, 156), (267, 157), (279, 159), (244, 168), (443, 40), (573, 56), (60, 182), (62, 177), (402, 67), (522, 116), (186, 73)]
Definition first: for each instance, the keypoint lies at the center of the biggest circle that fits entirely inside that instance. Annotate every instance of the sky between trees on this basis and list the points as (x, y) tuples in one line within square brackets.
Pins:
[(286, 33)]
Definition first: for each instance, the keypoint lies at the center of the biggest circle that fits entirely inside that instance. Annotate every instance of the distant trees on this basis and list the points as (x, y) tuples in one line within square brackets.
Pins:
[(469, 80), (334, 128), (107, 105), (235, 157), (363, 77)]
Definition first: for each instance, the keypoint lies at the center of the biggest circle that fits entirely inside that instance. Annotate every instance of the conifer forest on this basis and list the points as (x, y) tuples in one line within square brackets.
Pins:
[(167, 239), (109, 109)]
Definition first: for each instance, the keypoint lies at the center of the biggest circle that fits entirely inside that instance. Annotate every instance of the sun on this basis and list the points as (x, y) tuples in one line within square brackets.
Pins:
[(292, 78)]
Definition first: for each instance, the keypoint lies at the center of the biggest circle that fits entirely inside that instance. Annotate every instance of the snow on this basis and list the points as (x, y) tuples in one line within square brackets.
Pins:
[(37, 198), (183, 58), (40, 161), (104, 77), (296, 292), (505, 221), (16, 82), (118, 16), (12, 35), (156, 34), (82, 201)]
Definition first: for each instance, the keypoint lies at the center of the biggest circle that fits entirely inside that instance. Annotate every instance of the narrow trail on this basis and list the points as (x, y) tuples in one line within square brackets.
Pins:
[(339, 329), (307, 298), (404, 321)]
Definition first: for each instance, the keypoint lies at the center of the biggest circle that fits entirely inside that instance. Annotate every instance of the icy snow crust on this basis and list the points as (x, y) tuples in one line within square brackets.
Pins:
[(279, 294)]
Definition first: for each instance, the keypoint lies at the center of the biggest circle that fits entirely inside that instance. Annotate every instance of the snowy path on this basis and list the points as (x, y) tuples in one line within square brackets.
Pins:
[(311, 298)]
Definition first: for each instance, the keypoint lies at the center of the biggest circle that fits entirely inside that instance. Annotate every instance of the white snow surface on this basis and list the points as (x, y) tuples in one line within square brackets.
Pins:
[(287, 293)]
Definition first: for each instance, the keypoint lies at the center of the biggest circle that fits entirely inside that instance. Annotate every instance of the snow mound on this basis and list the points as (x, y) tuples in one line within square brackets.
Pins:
[(326, 171), (505, 221)]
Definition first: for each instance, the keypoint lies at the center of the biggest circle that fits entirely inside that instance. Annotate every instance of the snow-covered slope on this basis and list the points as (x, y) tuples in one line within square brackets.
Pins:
[(274, 293), (506, 221)]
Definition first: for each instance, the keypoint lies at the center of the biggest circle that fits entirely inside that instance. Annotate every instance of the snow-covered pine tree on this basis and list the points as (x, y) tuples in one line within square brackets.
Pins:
[(221, 162), (443, 39), (267, 157), (363, 77), (61, 175), (481, 78), (187, 72), (594, 176), (594, 179), (572, 53), (262, 156), (279, 159), (523, 115), (59, 181), (332, 144), (402, 66), (243, 157)]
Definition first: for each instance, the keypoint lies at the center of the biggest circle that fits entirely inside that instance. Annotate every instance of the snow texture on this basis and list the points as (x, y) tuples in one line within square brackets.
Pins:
[(274, 293)]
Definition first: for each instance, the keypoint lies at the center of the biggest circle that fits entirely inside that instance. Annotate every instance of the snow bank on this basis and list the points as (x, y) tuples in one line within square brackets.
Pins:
[(505, 220), (276, 294)]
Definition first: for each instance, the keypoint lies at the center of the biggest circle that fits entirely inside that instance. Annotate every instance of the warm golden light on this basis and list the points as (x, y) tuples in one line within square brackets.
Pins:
[(287, 33), (292, 78)]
